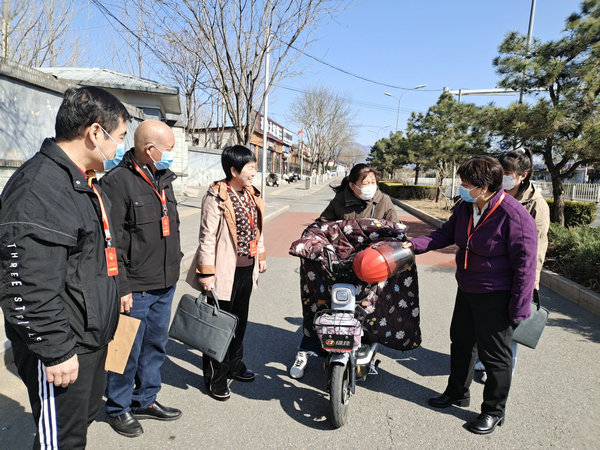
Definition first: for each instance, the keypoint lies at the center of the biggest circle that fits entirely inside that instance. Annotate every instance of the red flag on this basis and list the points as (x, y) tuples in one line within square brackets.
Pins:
[(301, 131)]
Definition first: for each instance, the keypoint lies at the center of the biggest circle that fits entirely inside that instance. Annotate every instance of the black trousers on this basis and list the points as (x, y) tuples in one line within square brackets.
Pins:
[(215, 373), (62, 415), (480, 324)]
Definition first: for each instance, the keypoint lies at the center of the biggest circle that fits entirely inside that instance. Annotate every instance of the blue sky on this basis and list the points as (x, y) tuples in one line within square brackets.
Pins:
[(440, 43), (411, 42)]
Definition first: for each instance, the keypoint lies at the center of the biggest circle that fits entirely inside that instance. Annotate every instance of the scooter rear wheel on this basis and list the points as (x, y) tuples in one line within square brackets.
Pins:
[(339, 395)]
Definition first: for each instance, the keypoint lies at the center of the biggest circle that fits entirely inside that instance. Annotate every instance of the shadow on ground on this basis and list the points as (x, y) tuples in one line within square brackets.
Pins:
[(574, 318), (17, 429), (306, 405)]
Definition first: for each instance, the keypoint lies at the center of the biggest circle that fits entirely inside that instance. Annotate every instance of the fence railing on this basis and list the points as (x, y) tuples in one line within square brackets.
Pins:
[(578, 192)]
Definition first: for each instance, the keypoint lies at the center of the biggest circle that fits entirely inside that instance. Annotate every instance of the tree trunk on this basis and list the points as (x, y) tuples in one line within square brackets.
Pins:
[(417, 174), (440, 181), (558, 209)]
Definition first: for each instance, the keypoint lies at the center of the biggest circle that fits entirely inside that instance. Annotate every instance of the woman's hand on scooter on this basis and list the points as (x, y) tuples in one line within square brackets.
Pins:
[(409, 245)]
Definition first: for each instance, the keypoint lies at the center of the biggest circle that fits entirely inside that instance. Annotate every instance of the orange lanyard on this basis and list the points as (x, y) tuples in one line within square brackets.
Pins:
[(244, 206), (161, 196), (471, 233), (112, 266), (105, 225)]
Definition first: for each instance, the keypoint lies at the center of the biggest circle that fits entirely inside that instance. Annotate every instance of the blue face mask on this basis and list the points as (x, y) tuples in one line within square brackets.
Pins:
[(165, 161), (114, 162), (465, 194)]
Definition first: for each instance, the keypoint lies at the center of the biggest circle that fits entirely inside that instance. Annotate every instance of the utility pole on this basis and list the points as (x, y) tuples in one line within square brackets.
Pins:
[(301, 150), (139, 39), (263, 182), (529, 35), (5, 25)]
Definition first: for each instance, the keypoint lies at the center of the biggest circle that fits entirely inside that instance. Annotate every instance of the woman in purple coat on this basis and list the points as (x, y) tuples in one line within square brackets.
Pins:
[(495, 270)]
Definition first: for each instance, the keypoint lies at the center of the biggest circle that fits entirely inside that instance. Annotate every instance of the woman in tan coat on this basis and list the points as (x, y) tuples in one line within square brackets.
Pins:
[(229, 257)]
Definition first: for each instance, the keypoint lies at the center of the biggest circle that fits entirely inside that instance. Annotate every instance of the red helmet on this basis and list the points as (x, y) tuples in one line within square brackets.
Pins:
[(370, 266), (382, 260)]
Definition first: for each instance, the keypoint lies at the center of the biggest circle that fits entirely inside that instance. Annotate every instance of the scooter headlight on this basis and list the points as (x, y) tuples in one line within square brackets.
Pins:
[(342, 296)]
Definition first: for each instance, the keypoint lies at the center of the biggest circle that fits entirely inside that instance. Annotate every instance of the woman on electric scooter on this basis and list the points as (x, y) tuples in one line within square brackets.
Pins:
[(357, 197)]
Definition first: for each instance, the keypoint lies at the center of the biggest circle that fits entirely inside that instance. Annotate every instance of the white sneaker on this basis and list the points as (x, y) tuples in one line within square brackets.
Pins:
[(297, 370)]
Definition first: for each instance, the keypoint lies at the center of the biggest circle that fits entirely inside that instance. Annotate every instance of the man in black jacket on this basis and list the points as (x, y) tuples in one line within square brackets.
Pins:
[(147, 227), (58, 289)]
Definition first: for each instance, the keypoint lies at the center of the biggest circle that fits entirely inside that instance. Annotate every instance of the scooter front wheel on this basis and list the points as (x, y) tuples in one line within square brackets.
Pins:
[(339, 394)]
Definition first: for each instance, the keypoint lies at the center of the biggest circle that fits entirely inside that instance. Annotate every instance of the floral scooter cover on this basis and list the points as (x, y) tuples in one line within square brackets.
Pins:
[(392, 305)]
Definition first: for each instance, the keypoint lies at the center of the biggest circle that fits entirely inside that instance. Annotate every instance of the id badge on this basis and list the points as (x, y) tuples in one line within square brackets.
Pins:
[(253, 248), (166, 230), (111, 261)]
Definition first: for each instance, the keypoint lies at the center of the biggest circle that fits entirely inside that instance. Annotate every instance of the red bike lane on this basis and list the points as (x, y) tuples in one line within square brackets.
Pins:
[(285, 229)]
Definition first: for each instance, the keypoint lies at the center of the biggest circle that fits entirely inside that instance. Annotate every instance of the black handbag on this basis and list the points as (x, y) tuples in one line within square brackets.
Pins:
[(203, 326), (529, 330)]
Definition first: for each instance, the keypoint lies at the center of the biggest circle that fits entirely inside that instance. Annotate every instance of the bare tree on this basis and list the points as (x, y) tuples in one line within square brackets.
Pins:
[(35, 36), (327, 120), (231, 39), (186, 71), (352, 155)]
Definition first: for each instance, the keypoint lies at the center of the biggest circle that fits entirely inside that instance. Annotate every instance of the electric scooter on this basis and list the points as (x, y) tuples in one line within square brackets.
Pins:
[(340, 331)]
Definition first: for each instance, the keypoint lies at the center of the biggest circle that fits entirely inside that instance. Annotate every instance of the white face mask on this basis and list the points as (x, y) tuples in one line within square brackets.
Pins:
[(508, 182), (367, 192)]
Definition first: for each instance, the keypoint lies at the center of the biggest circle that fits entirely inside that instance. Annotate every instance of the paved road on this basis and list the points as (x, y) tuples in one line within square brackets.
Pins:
[(554, 401)]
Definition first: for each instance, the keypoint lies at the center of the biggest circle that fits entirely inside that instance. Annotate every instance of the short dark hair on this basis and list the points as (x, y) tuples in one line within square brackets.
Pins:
[(236, 156), (357, 173), (84, 106), (519, 161), (482, 171)]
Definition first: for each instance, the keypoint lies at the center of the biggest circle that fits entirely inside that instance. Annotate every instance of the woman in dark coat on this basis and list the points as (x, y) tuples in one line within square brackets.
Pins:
[(357, 197), (495, 271)]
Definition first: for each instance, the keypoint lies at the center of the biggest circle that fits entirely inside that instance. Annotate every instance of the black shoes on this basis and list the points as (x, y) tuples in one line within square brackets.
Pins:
[(158, 412), (444, 401), (246, 376), (484, 423), (125, 424), (221, 394)]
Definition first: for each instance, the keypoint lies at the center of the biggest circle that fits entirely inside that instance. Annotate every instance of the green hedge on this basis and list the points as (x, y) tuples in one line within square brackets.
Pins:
[(577, 213), (407, 192), (575, 254)]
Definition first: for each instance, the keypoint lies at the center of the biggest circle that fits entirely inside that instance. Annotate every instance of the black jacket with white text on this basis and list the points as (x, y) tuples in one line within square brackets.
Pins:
[(56, 295)]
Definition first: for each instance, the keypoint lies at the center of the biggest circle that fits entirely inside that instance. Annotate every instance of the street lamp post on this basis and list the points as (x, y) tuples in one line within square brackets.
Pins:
[(400, 98), (379, 130)]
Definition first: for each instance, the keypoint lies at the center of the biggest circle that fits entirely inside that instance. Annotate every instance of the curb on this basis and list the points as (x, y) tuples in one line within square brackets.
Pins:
[(421, 215), (578, 294), (574, 292)]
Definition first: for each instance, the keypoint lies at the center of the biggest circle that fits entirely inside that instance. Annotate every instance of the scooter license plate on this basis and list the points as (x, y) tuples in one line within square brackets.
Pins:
[(337, 342)]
